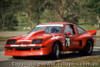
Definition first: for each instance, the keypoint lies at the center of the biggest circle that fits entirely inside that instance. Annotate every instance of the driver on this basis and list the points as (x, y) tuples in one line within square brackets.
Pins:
[(54, 30)]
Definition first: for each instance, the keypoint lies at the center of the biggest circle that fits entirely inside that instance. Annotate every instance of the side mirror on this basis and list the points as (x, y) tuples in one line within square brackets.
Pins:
[(67, 34)]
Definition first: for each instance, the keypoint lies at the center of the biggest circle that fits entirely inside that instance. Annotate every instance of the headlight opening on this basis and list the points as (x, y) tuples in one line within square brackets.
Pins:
[(37, 41), (11, 41)]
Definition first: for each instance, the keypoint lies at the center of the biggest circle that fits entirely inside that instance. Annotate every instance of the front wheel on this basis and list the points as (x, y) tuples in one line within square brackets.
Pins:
[(16, 57), (56, 51), (88, 48)]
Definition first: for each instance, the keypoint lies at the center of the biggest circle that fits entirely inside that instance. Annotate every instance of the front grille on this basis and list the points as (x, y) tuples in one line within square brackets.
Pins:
[(10, 49), (26, 43), (23, 49), (36, 48)]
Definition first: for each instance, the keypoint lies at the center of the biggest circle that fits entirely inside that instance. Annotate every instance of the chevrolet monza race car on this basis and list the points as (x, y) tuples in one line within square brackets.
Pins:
[(52, 39)]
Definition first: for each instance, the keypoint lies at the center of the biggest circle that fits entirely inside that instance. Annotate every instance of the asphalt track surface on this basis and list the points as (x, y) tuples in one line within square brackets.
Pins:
[(9, 61)]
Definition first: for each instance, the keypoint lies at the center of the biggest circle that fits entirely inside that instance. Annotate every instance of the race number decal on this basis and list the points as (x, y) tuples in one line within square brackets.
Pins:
[(67, 42)]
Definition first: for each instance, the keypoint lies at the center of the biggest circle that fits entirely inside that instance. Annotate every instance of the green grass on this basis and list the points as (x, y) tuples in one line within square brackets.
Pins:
[(5, 38), (92, 61), (88, 27)]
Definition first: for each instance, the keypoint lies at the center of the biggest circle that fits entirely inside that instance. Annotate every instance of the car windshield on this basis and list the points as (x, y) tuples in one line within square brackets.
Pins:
[(52, 28)]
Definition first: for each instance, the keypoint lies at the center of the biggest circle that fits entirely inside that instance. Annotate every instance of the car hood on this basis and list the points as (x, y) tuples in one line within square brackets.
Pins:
[(35, 35)]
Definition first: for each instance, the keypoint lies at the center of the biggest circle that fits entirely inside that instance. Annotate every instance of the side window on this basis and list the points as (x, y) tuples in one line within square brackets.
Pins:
[(69, 28), (80, 30)]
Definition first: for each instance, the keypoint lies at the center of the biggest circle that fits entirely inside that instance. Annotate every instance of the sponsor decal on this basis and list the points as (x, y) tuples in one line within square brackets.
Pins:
[(55, 37), (31, 45), (67, 42), (14, 45), (46, 34), (23, 40), (29, 35), (22, 45)]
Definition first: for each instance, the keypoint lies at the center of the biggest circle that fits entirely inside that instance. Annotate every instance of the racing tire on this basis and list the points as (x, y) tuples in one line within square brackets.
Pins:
[(88, 48), (16, 57), (55, 51)]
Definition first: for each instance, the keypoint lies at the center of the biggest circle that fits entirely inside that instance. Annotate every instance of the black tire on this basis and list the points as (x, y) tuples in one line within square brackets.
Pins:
[(16, 57), (55, 51), (88, 48)]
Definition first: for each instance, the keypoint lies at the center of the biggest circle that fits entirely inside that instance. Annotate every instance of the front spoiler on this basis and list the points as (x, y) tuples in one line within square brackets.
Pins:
[(25, 47), (14, 52)]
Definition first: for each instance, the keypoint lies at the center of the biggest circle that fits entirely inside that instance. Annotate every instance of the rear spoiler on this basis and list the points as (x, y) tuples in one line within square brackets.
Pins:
[(93, 32)]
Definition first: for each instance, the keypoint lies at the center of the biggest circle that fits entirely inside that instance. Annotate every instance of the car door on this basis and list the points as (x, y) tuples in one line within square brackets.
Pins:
[(70, 41), (80, 36)]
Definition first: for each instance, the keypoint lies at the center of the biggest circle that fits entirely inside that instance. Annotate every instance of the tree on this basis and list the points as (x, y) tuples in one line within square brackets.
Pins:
[(59, 7), (65, 10), (34, 9), (95, 6), (10, 22), (49, 10), (8, 8), (87, 11)]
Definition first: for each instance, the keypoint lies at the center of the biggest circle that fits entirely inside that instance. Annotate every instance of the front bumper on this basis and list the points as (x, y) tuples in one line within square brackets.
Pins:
[(14, 51)]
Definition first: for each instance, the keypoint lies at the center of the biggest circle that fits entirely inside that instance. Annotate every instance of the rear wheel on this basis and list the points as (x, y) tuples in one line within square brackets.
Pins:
[(88, 48), (55, 51)]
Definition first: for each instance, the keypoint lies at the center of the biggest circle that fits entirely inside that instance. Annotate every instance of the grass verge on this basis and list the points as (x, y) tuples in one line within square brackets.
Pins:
[(91, 61), (88, 27), (4, 38)]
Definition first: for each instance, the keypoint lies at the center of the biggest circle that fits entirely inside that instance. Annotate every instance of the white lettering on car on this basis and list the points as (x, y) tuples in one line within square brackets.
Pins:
[(67, 42), (29, 35), (14, 45), (55, 37), (23, 40), (22, 45)]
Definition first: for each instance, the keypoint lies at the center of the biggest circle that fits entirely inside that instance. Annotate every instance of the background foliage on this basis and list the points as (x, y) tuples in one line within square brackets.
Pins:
[(25, 14)]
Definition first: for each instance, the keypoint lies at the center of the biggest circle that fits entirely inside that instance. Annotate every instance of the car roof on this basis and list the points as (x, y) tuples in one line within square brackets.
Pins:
[(56, 23)]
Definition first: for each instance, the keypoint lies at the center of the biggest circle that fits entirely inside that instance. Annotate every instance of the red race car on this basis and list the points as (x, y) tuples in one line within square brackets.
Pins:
[(52, 39)]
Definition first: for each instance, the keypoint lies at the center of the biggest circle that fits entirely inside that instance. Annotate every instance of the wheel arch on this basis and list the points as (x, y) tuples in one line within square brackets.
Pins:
[(84, 41), (90, 39), (84, 50), (60, 45)]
